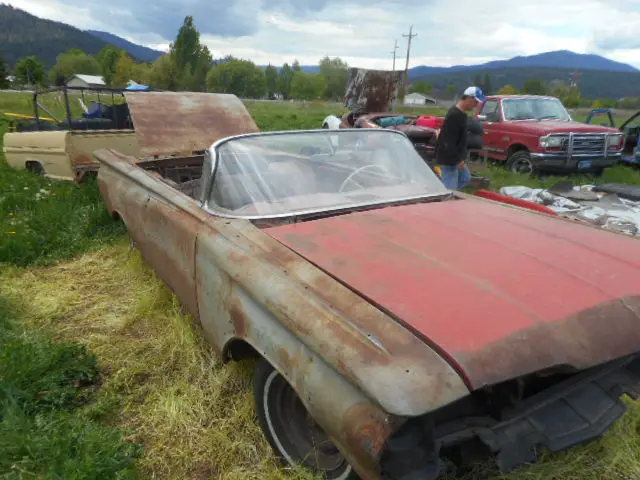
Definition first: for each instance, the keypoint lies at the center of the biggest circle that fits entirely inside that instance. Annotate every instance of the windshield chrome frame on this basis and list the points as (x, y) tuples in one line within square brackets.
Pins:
[(214, 154)]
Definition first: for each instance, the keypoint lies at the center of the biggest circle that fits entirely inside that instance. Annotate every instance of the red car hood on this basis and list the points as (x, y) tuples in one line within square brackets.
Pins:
[(554, 126), (498, 292)]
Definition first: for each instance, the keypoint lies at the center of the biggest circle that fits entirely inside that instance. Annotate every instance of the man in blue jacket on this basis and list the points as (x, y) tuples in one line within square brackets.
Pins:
[(451, 147)]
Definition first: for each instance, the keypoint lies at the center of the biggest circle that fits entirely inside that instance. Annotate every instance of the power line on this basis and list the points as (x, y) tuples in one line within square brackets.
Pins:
[(406, 66), (395, 48)]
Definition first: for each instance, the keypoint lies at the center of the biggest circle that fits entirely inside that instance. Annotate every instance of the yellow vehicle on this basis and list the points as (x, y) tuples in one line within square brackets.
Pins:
[(62, 148)]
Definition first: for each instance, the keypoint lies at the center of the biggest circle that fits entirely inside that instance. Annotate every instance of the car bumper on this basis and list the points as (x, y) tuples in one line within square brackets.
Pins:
[(573, 412), (576, 163)]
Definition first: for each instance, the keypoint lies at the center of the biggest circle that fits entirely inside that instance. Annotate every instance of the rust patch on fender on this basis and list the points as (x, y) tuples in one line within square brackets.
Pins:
[(239, 319), (366, 429)]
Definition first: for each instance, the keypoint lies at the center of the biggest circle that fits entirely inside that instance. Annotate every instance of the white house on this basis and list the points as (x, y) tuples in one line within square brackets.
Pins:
[(418, 99), (86, 81)]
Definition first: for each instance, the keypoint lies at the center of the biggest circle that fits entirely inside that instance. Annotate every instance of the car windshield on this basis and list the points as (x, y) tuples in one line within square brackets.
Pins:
[(290, 173), (534, 109)]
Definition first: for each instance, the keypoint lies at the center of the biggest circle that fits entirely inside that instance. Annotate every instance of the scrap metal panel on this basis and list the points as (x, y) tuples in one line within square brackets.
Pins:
[(375, 89), (181, 122)]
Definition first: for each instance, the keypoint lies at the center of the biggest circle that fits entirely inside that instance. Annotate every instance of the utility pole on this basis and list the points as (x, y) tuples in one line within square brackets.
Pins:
[(406, 66), (395, 48)]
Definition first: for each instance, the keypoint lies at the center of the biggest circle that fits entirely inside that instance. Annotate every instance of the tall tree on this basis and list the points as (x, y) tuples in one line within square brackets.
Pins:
[(141, 73), (336, 74), (4, 73), (508, 90), (271, 76), (477, 80), (535, 86), (164, 73), (422, 86), (108, 58), (30, 71), (486, 84), (240, 77), (124, 70), (296, 66), (308, 86), (284, 81), (72, 62), (192, 59)]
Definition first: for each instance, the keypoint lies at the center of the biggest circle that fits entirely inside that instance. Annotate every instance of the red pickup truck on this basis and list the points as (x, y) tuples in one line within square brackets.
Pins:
[(533, 133)]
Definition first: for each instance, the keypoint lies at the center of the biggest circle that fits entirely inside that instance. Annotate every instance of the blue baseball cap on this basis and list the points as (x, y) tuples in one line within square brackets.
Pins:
[(475, 92)]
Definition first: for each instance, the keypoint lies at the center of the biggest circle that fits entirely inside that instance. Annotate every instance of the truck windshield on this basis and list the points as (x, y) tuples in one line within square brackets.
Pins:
[(534, 109), (292, 173)]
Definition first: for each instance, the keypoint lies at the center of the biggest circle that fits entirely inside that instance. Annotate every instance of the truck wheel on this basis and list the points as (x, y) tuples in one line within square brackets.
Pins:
[(293, 435), (36, 168), (520, 162)]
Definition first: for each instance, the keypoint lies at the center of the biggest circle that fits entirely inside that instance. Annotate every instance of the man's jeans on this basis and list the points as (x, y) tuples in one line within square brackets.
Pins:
[(453, 178)]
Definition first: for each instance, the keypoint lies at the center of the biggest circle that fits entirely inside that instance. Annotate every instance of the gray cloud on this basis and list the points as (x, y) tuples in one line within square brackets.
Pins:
[(619, 41), (164, 17), (229, 18)]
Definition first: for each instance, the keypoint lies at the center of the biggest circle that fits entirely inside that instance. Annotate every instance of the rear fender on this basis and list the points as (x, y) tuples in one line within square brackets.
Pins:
[(48, 148)]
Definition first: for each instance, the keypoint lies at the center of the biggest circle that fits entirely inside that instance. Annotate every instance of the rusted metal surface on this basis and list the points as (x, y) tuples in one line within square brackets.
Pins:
[(357, 371), (374, 89), (525, 293), (361, 366), (175, 122)]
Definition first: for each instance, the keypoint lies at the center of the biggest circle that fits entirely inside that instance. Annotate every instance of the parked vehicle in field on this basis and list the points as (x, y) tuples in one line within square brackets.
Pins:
[(630, 128), (423, 138), (536, 133), (60, 146), (396, 326), (132, 122)]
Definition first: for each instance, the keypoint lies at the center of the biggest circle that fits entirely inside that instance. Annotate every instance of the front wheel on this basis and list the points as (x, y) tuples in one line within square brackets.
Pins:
[(294, 436), (520, 162)]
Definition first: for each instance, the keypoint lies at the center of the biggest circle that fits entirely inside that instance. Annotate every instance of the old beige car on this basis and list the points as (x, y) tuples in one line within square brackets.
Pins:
[(141, 124)]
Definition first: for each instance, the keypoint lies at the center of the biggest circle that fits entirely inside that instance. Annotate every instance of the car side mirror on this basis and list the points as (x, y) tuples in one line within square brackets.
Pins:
[(482, 118)]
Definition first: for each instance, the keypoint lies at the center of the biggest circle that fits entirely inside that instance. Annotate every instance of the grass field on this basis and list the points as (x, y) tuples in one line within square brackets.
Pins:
[(103, 376)]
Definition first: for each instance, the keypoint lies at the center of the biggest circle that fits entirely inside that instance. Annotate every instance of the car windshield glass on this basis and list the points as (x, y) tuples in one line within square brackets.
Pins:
[(534, 109), (279, 174)]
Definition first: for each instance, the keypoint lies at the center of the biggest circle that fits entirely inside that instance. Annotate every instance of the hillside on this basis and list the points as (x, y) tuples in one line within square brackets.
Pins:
[(23, 34), (592, 83), (143, 54), (560, 59)]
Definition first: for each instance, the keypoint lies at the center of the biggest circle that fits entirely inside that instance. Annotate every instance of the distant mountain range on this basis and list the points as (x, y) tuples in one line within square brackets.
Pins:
[(144, 54), (563, 59), (23, 34)]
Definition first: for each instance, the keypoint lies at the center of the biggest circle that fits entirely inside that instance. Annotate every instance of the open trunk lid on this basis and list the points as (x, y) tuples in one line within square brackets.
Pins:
[(183, 122)]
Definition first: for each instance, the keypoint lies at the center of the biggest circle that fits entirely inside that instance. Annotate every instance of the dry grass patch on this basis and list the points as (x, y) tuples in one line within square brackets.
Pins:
[(194, 416)]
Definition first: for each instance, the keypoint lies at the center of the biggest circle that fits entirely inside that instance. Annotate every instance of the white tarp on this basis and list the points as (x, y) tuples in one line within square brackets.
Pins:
[(606, 210)]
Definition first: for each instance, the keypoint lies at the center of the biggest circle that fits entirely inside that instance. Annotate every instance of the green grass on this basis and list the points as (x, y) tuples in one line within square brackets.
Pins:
[(44, 431), (94, 347)]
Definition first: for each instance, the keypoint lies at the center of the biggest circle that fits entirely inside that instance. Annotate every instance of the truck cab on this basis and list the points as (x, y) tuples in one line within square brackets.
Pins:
[(534, 133)]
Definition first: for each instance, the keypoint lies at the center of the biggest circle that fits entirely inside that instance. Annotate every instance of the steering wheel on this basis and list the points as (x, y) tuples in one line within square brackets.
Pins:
[(358, 170)]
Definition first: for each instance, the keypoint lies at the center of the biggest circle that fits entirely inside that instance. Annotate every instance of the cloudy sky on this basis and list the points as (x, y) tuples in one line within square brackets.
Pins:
[(362, 32)]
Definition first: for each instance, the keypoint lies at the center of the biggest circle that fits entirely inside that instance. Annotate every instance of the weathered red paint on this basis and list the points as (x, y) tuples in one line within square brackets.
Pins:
[(473, 278)]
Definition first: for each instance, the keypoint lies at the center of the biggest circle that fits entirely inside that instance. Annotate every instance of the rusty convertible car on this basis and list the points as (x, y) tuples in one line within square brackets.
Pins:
[(401, 328)]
